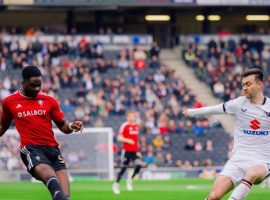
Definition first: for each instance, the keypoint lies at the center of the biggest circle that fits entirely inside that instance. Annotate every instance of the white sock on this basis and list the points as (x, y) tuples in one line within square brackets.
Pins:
[(241, 191)]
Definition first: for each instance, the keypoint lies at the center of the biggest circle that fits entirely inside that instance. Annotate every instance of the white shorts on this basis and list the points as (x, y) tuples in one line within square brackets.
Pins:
[(236, 170)]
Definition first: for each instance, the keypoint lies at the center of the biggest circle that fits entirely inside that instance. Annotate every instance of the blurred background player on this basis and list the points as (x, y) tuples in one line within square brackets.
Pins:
[(128, 135), (32, 111)]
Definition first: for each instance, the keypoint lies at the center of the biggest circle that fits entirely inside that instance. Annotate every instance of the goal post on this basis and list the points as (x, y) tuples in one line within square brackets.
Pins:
[(87, 154)]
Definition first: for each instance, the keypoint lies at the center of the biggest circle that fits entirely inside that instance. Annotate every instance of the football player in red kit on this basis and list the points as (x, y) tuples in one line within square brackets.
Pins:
[(129, 136), (33, 112)]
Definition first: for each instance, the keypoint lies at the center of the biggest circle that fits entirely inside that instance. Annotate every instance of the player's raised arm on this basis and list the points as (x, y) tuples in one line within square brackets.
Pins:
[(63, 124), (209, 110)]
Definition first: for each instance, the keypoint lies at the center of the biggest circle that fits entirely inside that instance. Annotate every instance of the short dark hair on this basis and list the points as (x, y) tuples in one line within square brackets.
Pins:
[(130, 111), (29, 72), (254, 71)]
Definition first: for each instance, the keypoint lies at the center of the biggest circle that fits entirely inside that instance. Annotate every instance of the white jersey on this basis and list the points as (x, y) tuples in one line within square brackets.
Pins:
[(251, 130)]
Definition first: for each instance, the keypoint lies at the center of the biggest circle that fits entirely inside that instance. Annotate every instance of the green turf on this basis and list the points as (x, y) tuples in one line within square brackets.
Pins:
[(185, 189)]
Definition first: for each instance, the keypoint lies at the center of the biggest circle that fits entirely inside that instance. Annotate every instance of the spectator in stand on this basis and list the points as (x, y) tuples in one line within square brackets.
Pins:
[(67, 107), (159, 77), (179, 164), (180, 127), (198, 129), (198, 147), (167, 143), (162, 124), (154, 63), (150, 158), (190, 145), (212, 44), (209, 145), (189, 57), (139, 59), (143, 145), (188, 126), (154, 51), (150, 125), (187, 165), (158, 142), (244, 42), (208, 172), (159, 161), (231, 44), (135, 79), (99, 122), (218, 89), (198, 104), (123, 60), (168, 160), (171, 126), (196, 163)]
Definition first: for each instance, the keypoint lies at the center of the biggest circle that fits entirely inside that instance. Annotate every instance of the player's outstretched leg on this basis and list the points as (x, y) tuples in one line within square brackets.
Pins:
[(136, 170), (55, 189), (241, 191), (63, 178), (254, 175), (47, 175), (116, 186), (221, 186)]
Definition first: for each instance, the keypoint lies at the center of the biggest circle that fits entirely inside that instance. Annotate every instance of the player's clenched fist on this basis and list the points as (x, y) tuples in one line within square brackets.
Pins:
[(76, 126), (185, 112)]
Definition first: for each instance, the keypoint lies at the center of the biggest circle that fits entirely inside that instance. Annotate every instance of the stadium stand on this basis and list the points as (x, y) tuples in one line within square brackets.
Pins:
[(99, 85), (221, 63)]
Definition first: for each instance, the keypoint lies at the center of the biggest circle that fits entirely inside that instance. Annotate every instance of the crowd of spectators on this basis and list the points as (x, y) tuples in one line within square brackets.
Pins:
[(98, 87), (222, 62), (55, 29)]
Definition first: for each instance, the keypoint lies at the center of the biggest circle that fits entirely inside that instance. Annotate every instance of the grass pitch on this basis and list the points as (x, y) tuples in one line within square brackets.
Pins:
[(184, 189)]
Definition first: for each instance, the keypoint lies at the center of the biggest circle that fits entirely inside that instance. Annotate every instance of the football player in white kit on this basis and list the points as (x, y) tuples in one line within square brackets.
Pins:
[(250, 162)]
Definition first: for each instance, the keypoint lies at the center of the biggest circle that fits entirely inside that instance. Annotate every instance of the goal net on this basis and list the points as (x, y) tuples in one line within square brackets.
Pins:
[(88, 154)]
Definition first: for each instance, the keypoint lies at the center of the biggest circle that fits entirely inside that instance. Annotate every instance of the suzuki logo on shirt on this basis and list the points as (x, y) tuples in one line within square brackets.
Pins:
[(31, 113), (255, 124)]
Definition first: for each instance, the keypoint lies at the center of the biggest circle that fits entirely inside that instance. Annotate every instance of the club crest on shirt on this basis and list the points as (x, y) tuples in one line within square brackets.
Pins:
[(40, 102)]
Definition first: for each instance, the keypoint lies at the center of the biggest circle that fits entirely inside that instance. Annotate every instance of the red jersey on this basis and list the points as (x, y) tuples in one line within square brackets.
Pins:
[(33, 117), (130, 131)]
